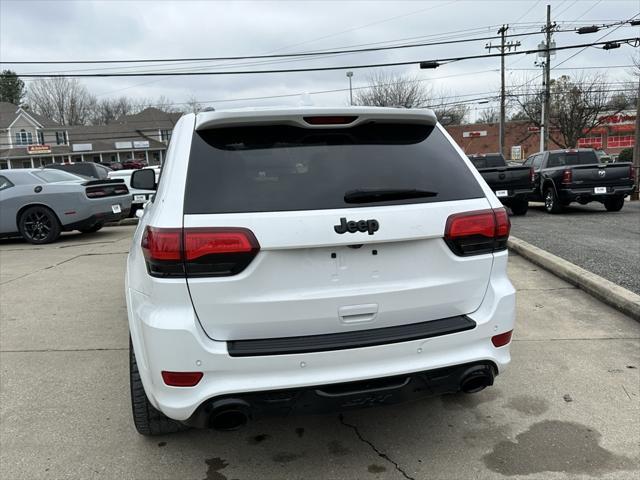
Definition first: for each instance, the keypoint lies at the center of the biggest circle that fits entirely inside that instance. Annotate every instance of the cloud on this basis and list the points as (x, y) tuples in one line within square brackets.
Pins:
[(161, 29)]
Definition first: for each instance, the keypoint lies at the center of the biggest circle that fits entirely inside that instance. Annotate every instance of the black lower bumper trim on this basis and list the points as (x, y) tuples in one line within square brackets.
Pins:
[(95, 219), (340, 397), (353, 339)]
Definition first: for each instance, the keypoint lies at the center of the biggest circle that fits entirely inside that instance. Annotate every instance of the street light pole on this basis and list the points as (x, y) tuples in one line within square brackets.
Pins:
[(349, 75)]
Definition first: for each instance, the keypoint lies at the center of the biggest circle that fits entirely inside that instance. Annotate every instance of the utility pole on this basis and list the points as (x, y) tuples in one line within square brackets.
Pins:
[(503, 47), (546, 108), (349, 75), (636, 146)]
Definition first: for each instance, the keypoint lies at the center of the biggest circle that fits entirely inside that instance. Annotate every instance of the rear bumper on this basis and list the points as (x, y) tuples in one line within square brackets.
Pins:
[(345, 396), (587, 193), (518, 194), (97, 218), (167, 336)]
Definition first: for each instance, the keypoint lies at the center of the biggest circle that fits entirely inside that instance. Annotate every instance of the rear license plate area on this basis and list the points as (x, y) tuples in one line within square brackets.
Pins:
[(600, 190), (502, 193)]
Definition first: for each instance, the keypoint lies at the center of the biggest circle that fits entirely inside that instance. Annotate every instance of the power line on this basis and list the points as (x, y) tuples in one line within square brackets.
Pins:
[(328, 68), (273, 56), (593, 67)]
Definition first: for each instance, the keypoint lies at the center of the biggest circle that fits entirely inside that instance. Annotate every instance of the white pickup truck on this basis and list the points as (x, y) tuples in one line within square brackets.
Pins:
[(139, 197)]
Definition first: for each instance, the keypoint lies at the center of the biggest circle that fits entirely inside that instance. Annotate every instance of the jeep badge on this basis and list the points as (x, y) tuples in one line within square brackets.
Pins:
[(370, 226)]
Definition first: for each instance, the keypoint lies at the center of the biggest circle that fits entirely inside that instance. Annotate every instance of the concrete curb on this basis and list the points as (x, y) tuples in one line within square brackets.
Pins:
[(608, 292)]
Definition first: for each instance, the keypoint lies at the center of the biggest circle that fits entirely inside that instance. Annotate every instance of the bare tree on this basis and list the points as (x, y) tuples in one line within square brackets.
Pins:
[(64, 100), (193, 106), (489, 115), (108, 110), (390, 90), (576, 107), (161, 103)]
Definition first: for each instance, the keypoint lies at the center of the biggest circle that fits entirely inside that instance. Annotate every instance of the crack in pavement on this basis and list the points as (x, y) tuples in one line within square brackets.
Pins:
[(46, 350), (374, 448), (545, 289), (62, 262), (33, 249)]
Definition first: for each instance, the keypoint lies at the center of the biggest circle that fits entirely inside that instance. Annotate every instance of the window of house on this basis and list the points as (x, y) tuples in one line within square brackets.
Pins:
[(61, 138), (24, 138), (165, 135), (40, 138)]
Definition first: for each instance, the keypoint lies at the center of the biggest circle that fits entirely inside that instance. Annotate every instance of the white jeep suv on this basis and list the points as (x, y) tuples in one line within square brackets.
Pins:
[(313, 260)]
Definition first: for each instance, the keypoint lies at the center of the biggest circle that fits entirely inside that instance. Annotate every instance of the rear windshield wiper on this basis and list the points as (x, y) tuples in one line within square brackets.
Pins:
[(384, 195)]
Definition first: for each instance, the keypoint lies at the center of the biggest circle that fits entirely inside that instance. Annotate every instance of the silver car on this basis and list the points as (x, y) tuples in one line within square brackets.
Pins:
[(39, 204)]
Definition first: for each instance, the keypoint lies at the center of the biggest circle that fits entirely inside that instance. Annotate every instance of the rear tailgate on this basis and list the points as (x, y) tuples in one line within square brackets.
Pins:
[(507, 178), (315, 272), (607, 175)]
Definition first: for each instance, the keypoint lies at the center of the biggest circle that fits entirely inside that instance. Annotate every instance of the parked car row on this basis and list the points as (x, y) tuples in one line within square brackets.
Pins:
[(97, 169), (39, 204), (557, 178)]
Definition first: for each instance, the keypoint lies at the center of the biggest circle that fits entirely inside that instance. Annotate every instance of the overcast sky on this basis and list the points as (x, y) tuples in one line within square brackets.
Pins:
[(89, 30)]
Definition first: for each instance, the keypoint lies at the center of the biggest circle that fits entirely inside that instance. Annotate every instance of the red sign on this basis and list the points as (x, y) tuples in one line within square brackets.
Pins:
[(37, 149), (475, 133), (617, 118)]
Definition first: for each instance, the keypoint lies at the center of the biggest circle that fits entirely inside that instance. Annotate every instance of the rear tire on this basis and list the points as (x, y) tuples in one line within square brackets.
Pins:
[(39, 225), (551, 202), (520, 207), (93, 229), (614, 204), (147, 419)]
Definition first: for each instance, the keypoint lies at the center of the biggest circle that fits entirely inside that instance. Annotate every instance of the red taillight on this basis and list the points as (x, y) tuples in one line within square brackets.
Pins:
[(501, 339), (532, 175), (181, 379), (477, 232), (100, 192), (632, 173), (331, 120), (162, 243), (96, 192), (567, 176), (200, 242), (198, 252), (503, 225)]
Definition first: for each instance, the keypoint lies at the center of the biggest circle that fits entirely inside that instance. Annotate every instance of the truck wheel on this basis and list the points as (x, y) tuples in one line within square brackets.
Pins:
[(520, 206), (92, 229), (39, 225), (551, 202), (614, 204), (146, 418)]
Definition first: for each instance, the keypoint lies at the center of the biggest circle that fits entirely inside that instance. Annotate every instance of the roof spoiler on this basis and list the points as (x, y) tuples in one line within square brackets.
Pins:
[(301, 117), (102, 182)]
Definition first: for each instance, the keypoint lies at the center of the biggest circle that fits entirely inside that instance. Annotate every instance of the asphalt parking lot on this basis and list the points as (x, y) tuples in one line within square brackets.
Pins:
[(605, 243), (568, 407)]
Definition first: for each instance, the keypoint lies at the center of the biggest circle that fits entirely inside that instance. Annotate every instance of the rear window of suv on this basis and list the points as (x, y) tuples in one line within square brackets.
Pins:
[(488, 161), (285, 168), (560, 159)]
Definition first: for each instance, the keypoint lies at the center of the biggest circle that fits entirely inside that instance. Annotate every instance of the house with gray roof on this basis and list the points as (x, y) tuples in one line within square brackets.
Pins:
[(29, 140)]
